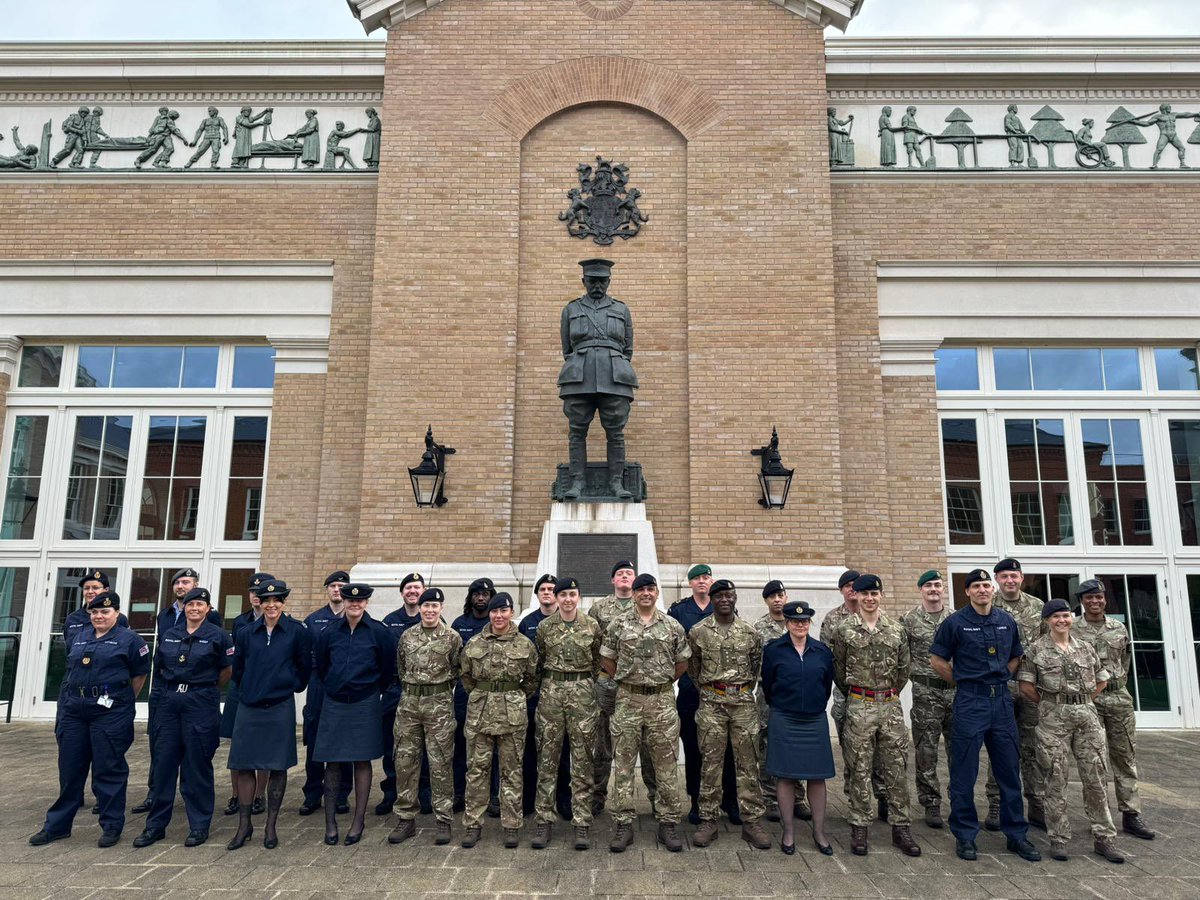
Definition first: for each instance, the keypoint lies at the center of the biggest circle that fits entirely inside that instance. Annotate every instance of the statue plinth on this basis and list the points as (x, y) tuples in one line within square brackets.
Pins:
[(597, 486)]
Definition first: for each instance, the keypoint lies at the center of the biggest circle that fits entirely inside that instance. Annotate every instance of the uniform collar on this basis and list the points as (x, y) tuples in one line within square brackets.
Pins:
[(260, 624), (507, 636)]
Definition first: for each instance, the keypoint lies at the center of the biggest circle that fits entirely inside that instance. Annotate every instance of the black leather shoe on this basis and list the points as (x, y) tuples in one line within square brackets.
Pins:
[(143, 807), (352, 839), (43, 837), (966, 850), (195, 838), (1024, 848), (694, 814), (271, 843), (308, 807), (231, 807), (109, 839), (148, 837), (259, 806), (826, 849), (493, 808), (237, 843), (385, 806), (95, 809), (734, 815), (788, 849), (331, 839), (342, 808)]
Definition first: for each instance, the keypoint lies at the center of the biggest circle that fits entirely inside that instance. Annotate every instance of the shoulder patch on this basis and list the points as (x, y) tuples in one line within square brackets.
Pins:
[(230, 651), (144, 650)]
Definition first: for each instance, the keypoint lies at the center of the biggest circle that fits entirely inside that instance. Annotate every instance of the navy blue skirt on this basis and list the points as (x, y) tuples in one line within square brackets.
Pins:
[(798, 746), (350, 732), (264, 738), (230, 711)]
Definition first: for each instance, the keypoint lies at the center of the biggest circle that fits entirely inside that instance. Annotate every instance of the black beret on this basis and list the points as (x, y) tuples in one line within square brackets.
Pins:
[(184, 573), (338, 577), (272, 587), (977, 575), (1050, 607), (1008, 564), (846, 578), (104, 600), (623, 564), (410, 578), (94, 575), (565, 584), (357, 591), (259, 578), (644, 580), (721, 584), (432, 595), (797, 611), (545, 579), (1091, 586), (502, 600), (868, 583), (773, 587), (482, 584), (197, 594)]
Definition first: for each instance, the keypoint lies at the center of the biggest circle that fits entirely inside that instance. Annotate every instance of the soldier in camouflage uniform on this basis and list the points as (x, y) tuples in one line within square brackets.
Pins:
[(499, 673), (1063, 675), (427, 663), (644, 652), (932, 698), (1027, 610), (605, 612), (725, 665), (1110, 640), (770, 626), (871, 663), (568, 646)]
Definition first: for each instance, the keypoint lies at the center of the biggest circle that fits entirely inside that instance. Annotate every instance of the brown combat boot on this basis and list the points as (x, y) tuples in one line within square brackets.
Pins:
[(512, 838), (442, 835), (903, 839), (1131, 823), (1058, 850), (404, 829), (933, 817), (541, 836), (669, 836), (583, 837), (474, 832), (992, 822), (756, 836), (1036, 814), (858, 840), (622, 837), (1105, 847), (705, 834)]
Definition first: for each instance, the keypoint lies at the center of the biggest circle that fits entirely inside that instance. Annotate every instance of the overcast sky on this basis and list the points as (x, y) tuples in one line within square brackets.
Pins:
[(266, 19)]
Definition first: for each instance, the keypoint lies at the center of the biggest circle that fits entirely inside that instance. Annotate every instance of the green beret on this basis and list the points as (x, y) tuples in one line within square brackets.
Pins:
[(927, 576), (698, 570)]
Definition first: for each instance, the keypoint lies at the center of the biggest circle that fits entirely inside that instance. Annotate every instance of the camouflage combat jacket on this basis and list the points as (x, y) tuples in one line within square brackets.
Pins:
[(1028, 613), (646, 655), (768, 629), (1055, 671), (607, 609), (499, 672), (920, 627), (876, 660), (569, 646), (1110, 640), (428, 655), (831, 624), (730, 655)]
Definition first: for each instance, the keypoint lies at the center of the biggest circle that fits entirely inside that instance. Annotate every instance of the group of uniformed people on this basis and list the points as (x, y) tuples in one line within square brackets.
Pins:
[(450, 709)]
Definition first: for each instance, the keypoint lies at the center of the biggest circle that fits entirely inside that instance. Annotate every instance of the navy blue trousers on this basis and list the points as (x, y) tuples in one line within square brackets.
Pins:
[(983, 715), (186, 735), (92, 737)]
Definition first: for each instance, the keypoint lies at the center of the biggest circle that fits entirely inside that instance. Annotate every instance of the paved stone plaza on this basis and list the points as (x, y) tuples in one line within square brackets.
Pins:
[(303, 866)]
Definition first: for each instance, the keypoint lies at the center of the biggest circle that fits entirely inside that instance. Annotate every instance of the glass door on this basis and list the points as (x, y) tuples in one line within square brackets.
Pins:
[(1190, 640)]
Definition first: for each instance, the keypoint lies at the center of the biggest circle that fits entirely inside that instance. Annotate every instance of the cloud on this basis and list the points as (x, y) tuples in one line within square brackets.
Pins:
[(1059, 18)]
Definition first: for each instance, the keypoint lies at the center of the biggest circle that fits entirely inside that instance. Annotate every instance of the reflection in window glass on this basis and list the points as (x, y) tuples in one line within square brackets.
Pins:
[(1118, 498), (1134, 600), (95, 367), (24, 487), (1176, 368), (171, 486), (1060, 369), (254, 367), (1185, 461), (67, 599), (152, 366), (199, 367), (96, 483), (1038, 489), (964, 503), (243, 502), (147, 367), (1193, 589), (41, 366), (1067, 369), (1051, 586), (14, 588), (1121, 369), (957, 369), (1012, 369)]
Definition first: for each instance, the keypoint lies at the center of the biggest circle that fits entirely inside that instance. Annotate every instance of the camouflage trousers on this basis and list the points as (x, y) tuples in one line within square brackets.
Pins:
[(1033, 782), (510, 748), (766, 781), (875, 730), (735, 723), (566, 708), (602, 753), (425, 722), (930, 717), (1073, 730), (1115, 710), (838, 713), (646, 721)]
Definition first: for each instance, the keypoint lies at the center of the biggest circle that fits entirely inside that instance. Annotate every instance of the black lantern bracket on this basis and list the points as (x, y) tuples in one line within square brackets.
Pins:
[(429, 478), (773, 479)]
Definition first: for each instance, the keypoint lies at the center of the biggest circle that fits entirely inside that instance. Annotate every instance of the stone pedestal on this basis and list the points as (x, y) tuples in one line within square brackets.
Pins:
[(595, 483)]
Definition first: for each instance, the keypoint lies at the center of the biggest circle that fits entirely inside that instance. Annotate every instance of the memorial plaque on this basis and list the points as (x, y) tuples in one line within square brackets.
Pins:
[(589, 558)]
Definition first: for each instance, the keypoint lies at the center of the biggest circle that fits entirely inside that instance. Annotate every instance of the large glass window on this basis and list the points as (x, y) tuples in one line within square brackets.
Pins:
[(1066, 369), (964, 499), (1193, 589), (14, 591), (957, 369), (171, 486), (248, 459), (1185, 461), (254, 367), (96, 483), (148, 366), (1134, 601), (24, 488), (1118, 501), (41, 366), (1176, 368), (1039, 490)]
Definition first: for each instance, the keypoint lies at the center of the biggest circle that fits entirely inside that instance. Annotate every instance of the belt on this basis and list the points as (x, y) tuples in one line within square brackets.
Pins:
[(982, 689), (882, 696), (727, 687), (607, 345), (1116, 684), (428, 690), (555, 675), (1067, 699), (95, 690), (497, 687), (932, 681), (181, 687), (645, 688)]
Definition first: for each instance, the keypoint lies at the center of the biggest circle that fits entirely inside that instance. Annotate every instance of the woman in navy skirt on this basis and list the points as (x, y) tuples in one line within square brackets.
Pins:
[(356, 661), (271, 665), (797, 678)]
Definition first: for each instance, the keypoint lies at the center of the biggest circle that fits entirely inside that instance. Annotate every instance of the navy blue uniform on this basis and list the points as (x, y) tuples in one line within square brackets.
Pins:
[(271, 668), (93, 735), (354, 664), (81, 618), (980, 648), (233, 694), (314, 771), (529, 763), (397, 622), (467, 625), (187, 668), (687, 704)]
